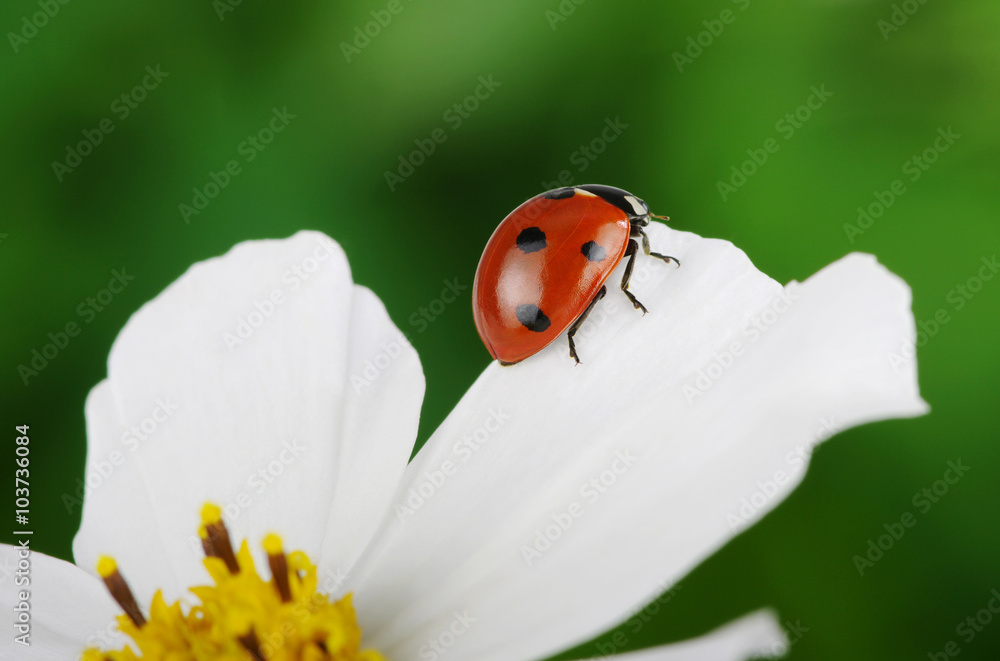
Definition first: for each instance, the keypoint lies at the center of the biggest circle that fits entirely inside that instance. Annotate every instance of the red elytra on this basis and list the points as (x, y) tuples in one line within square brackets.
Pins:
[(545, 266)]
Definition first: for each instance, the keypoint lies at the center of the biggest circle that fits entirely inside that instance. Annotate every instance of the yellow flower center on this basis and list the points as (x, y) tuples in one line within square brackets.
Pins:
[(242, 616)]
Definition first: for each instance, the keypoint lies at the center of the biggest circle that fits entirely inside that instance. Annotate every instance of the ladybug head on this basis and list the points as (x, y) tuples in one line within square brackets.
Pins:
[(635, 207), (640, 214), (640, 219), (637, 210)]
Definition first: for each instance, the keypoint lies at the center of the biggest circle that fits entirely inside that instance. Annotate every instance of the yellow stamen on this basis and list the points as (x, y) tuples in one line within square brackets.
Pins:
[(272, 544), (107, 569), (241, 615), (215, 537), (279, 566), (106, 566), (211, 513)]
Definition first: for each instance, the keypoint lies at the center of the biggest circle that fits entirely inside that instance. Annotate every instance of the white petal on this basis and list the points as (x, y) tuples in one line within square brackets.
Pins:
[(265, 381), (635, 483), (752, 636), (69, 609)]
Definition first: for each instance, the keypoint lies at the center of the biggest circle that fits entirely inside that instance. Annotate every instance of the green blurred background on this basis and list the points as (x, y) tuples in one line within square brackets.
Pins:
[(559, 73)]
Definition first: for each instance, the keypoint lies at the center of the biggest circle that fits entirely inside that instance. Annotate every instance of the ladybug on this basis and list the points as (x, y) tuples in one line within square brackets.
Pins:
[(545, 266)]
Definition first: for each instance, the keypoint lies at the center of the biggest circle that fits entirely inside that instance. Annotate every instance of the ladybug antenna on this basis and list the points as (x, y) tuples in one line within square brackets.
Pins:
[(653, 215)]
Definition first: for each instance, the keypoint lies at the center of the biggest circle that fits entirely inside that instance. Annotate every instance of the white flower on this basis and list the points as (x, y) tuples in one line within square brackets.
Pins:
[(553, 501)]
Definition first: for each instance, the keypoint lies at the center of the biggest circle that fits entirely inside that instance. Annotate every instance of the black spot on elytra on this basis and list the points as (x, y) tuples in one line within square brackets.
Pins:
[(531, 239), (593, 252), (560, 193), (532, 318)]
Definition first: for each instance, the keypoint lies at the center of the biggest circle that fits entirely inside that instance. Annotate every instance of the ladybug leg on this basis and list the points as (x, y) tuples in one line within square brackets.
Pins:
[(645, 249), (630, 252), (579, 322)]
